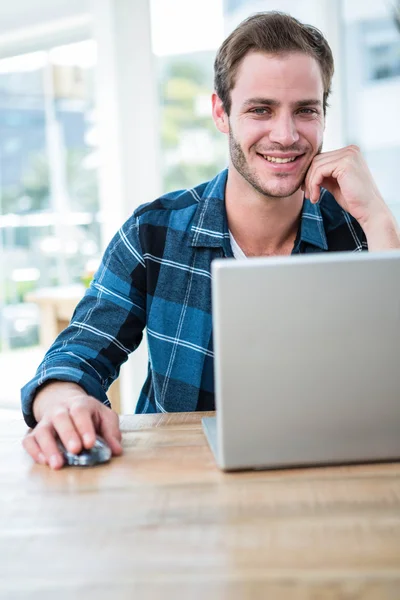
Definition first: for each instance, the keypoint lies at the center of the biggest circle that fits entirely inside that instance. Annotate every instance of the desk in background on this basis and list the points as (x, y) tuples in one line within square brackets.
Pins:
[(57, 305), (163, 522)]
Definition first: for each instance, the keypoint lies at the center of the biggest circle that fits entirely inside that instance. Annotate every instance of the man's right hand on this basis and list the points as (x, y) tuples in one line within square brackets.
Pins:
[(65, 409)]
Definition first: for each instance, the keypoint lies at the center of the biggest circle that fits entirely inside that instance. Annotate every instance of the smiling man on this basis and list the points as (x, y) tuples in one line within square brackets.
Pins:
[(280, 195), (275, 123)]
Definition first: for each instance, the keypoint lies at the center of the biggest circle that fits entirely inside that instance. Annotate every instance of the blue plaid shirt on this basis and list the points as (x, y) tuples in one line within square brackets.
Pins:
[(155, 273)]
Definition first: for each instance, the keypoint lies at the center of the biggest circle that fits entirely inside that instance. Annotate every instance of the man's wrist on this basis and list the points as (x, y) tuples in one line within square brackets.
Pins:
[(381, 230), (45, 394)]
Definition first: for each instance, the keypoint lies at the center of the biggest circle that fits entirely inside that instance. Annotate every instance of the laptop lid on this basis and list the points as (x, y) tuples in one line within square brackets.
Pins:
[(307, 359)]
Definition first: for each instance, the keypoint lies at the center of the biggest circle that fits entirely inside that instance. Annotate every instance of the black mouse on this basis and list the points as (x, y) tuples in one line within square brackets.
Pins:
[(98, 454)]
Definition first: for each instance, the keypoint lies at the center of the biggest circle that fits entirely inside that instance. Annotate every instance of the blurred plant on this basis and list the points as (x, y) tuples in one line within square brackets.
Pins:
[(184, 82)]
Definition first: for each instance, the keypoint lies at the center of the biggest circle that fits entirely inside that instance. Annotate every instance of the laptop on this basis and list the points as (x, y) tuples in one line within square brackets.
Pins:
[(307, 360)]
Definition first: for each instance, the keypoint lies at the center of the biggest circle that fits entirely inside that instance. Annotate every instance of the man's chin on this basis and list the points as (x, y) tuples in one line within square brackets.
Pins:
[(281, 191), (282, 185)]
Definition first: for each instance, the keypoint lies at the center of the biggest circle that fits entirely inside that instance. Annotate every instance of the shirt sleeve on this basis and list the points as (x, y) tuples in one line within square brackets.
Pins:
[(107, 324)]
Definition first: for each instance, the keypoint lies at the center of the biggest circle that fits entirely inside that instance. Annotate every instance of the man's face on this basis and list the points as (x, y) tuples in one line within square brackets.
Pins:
[(276, 116)]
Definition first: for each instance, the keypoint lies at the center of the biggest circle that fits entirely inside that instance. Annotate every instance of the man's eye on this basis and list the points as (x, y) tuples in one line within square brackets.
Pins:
[(259, 111), (308, 111)]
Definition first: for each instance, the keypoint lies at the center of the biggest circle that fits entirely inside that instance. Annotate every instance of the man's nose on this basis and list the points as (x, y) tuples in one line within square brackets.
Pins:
[(284, 131)]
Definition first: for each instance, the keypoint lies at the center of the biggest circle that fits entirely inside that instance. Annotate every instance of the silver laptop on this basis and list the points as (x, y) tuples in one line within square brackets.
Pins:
[(307, 360)]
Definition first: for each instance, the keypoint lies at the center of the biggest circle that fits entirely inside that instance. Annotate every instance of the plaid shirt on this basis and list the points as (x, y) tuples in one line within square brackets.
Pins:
[(155, 273)]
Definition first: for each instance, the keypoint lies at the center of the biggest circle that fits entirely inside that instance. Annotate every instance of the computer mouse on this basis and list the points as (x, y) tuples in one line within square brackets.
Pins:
[(98, 454)]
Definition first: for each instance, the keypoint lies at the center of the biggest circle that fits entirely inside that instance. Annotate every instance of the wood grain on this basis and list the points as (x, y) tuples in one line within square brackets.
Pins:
[(163, 522)]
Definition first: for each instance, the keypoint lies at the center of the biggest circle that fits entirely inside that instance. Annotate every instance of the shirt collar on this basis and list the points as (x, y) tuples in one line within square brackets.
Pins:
[(312, 229), (210, 225)]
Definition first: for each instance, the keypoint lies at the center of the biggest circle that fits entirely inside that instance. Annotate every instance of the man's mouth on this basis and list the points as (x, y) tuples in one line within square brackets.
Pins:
[(281, 159), (283, 164)]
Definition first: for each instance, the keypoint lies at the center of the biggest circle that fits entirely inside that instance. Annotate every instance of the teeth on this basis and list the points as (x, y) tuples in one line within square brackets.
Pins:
[(279, 160)]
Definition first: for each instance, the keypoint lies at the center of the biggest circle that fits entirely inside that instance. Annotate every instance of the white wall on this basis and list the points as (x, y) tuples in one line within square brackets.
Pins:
[(26, 25), (355, 10), (379, 105), (21, 14)]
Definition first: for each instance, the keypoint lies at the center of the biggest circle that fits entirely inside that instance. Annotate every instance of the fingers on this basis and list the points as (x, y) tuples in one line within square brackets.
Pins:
[(73, 425), (109, 429), (317, 172), (315, 186), (329, 165), (33, 449), (44, 437), (65, 428), (76, 425), (83, 421)]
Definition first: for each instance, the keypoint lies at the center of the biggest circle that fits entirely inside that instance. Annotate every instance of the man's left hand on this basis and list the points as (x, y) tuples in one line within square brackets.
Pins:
[(345, 174)]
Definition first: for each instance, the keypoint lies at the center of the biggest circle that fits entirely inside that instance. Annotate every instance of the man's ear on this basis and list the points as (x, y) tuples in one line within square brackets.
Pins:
[(219, 115)]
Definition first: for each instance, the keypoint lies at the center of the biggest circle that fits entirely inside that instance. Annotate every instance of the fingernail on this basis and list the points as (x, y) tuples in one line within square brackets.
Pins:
[(72, 445), (87, 439), (54, 461), (42, 459)]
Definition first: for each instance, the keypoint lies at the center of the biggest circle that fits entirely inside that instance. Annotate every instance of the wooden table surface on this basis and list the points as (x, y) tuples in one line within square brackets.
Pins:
[(163, 522)]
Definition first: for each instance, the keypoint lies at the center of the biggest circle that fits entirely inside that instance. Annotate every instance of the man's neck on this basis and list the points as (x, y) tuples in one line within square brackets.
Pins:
[(261, 225)]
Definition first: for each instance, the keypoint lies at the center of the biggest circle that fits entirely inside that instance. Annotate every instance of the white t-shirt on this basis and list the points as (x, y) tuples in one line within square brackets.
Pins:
[(236, 249)]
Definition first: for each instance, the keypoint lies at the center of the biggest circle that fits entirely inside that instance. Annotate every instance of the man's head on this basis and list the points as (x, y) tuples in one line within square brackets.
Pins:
[(272, 33), (272, 81)]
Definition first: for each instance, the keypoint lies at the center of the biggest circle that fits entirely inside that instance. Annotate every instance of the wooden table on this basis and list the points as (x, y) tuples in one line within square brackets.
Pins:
[(163, 522)]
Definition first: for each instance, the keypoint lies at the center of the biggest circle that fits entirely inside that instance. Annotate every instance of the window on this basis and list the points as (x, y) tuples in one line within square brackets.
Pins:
[(372, 91), (192, 149), (49, 229), (382, 49)]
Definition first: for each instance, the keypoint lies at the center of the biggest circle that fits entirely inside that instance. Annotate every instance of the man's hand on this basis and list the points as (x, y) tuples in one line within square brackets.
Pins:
[(65, 409), (345, 174)]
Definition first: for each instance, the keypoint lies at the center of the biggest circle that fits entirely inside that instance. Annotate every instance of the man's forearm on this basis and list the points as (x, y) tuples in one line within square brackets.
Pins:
[(382, 232)]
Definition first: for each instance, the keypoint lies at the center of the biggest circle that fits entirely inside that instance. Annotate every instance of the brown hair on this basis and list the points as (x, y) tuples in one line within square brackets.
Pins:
[(275, 33)]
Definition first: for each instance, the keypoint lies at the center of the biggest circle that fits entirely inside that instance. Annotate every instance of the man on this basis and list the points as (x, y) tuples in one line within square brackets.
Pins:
[(280, 195)]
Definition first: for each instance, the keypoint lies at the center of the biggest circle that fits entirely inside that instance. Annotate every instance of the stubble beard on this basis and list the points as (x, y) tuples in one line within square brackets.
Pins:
[(241, 165)]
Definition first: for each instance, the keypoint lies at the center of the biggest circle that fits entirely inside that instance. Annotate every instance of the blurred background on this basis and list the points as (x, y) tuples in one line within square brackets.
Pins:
[(105, 104)]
